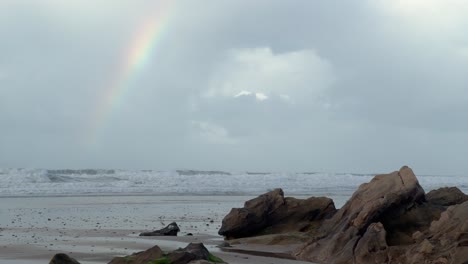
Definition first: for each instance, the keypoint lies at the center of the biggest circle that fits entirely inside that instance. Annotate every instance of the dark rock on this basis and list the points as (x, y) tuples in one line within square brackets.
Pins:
[(403, 223), (142, 257), (373, 202), (171, 230), (446, 196), (271, 213), (194, 251), (191, 254), (200, 261), (62, 258)]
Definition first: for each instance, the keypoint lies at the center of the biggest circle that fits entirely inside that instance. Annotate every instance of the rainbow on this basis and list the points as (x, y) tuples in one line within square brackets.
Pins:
[(136, 57)]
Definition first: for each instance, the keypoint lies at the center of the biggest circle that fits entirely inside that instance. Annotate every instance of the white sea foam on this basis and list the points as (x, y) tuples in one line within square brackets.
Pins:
[(39, 182)]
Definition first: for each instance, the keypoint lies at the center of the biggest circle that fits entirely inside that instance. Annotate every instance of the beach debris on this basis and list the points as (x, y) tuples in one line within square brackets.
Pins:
[(272, 213), (193, 253), (170, 230), (62, 258)]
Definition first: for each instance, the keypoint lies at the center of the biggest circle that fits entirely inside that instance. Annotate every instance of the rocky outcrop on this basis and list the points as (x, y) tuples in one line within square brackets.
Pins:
[(140, 257), (272, 213), (446, 241), (390, 220), (448, 237), (171, 230), (192, 254), (373, 202), (62, 258), (446, 196)]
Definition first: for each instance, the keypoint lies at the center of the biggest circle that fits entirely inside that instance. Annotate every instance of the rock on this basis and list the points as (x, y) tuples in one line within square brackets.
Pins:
[(419, 217), (417, 236), (441, 261), (271, 213), (384, 196), (171, 230), (446, 239), (446, 196), (425, 247), (200, 262), (372, 246), (62, 258), (142, 257), (191, 254), (388, 220), (403, 223), (194, 253)]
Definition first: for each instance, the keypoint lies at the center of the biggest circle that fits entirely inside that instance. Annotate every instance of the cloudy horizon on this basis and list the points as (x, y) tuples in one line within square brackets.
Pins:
[(266, 85)]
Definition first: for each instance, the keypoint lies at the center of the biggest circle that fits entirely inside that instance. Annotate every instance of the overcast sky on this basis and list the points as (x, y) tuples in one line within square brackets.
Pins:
[(349, 86)]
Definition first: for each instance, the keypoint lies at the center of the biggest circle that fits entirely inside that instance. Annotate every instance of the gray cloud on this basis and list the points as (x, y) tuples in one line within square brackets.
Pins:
[(263, 85)]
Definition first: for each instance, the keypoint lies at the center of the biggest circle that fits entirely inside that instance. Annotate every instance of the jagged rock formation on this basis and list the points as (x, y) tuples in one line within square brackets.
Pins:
[(272, 213), (193, 253), (388, 220)]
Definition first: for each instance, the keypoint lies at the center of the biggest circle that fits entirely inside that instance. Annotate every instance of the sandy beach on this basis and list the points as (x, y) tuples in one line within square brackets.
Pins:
[(94, 229)]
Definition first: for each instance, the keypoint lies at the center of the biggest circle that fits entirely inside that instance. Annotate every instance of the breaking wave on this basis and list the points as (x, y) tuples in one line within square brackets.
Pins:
[(40, 182)]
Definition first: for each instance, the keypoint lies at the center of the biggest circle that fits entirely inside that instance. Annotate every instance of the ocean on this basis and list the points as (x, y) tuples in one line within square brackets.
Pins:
[(89, 182), (95, 215)]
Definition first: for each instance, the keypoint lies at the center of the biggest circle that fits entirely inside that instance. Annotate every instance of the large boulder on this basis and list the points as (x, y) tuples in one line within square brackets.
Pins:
[(170, 230), (62, 258), (446, 196), (272, 213), (363, 216)]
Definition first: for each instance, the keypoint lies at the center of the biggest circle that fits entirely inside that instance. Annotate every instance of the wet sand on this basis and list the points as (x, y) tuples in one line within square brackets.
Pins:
[(94, 229)]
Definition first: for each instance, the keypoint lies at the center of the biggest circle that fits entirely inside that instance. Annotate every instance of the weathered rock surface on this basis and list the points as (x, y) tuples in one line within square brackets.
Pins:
[(272, 213), (171, 230), (446, 196), (62, 258), (446, 241), (384, 195), (140, 257), (371, 248), (193, 253), (388, 220)]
